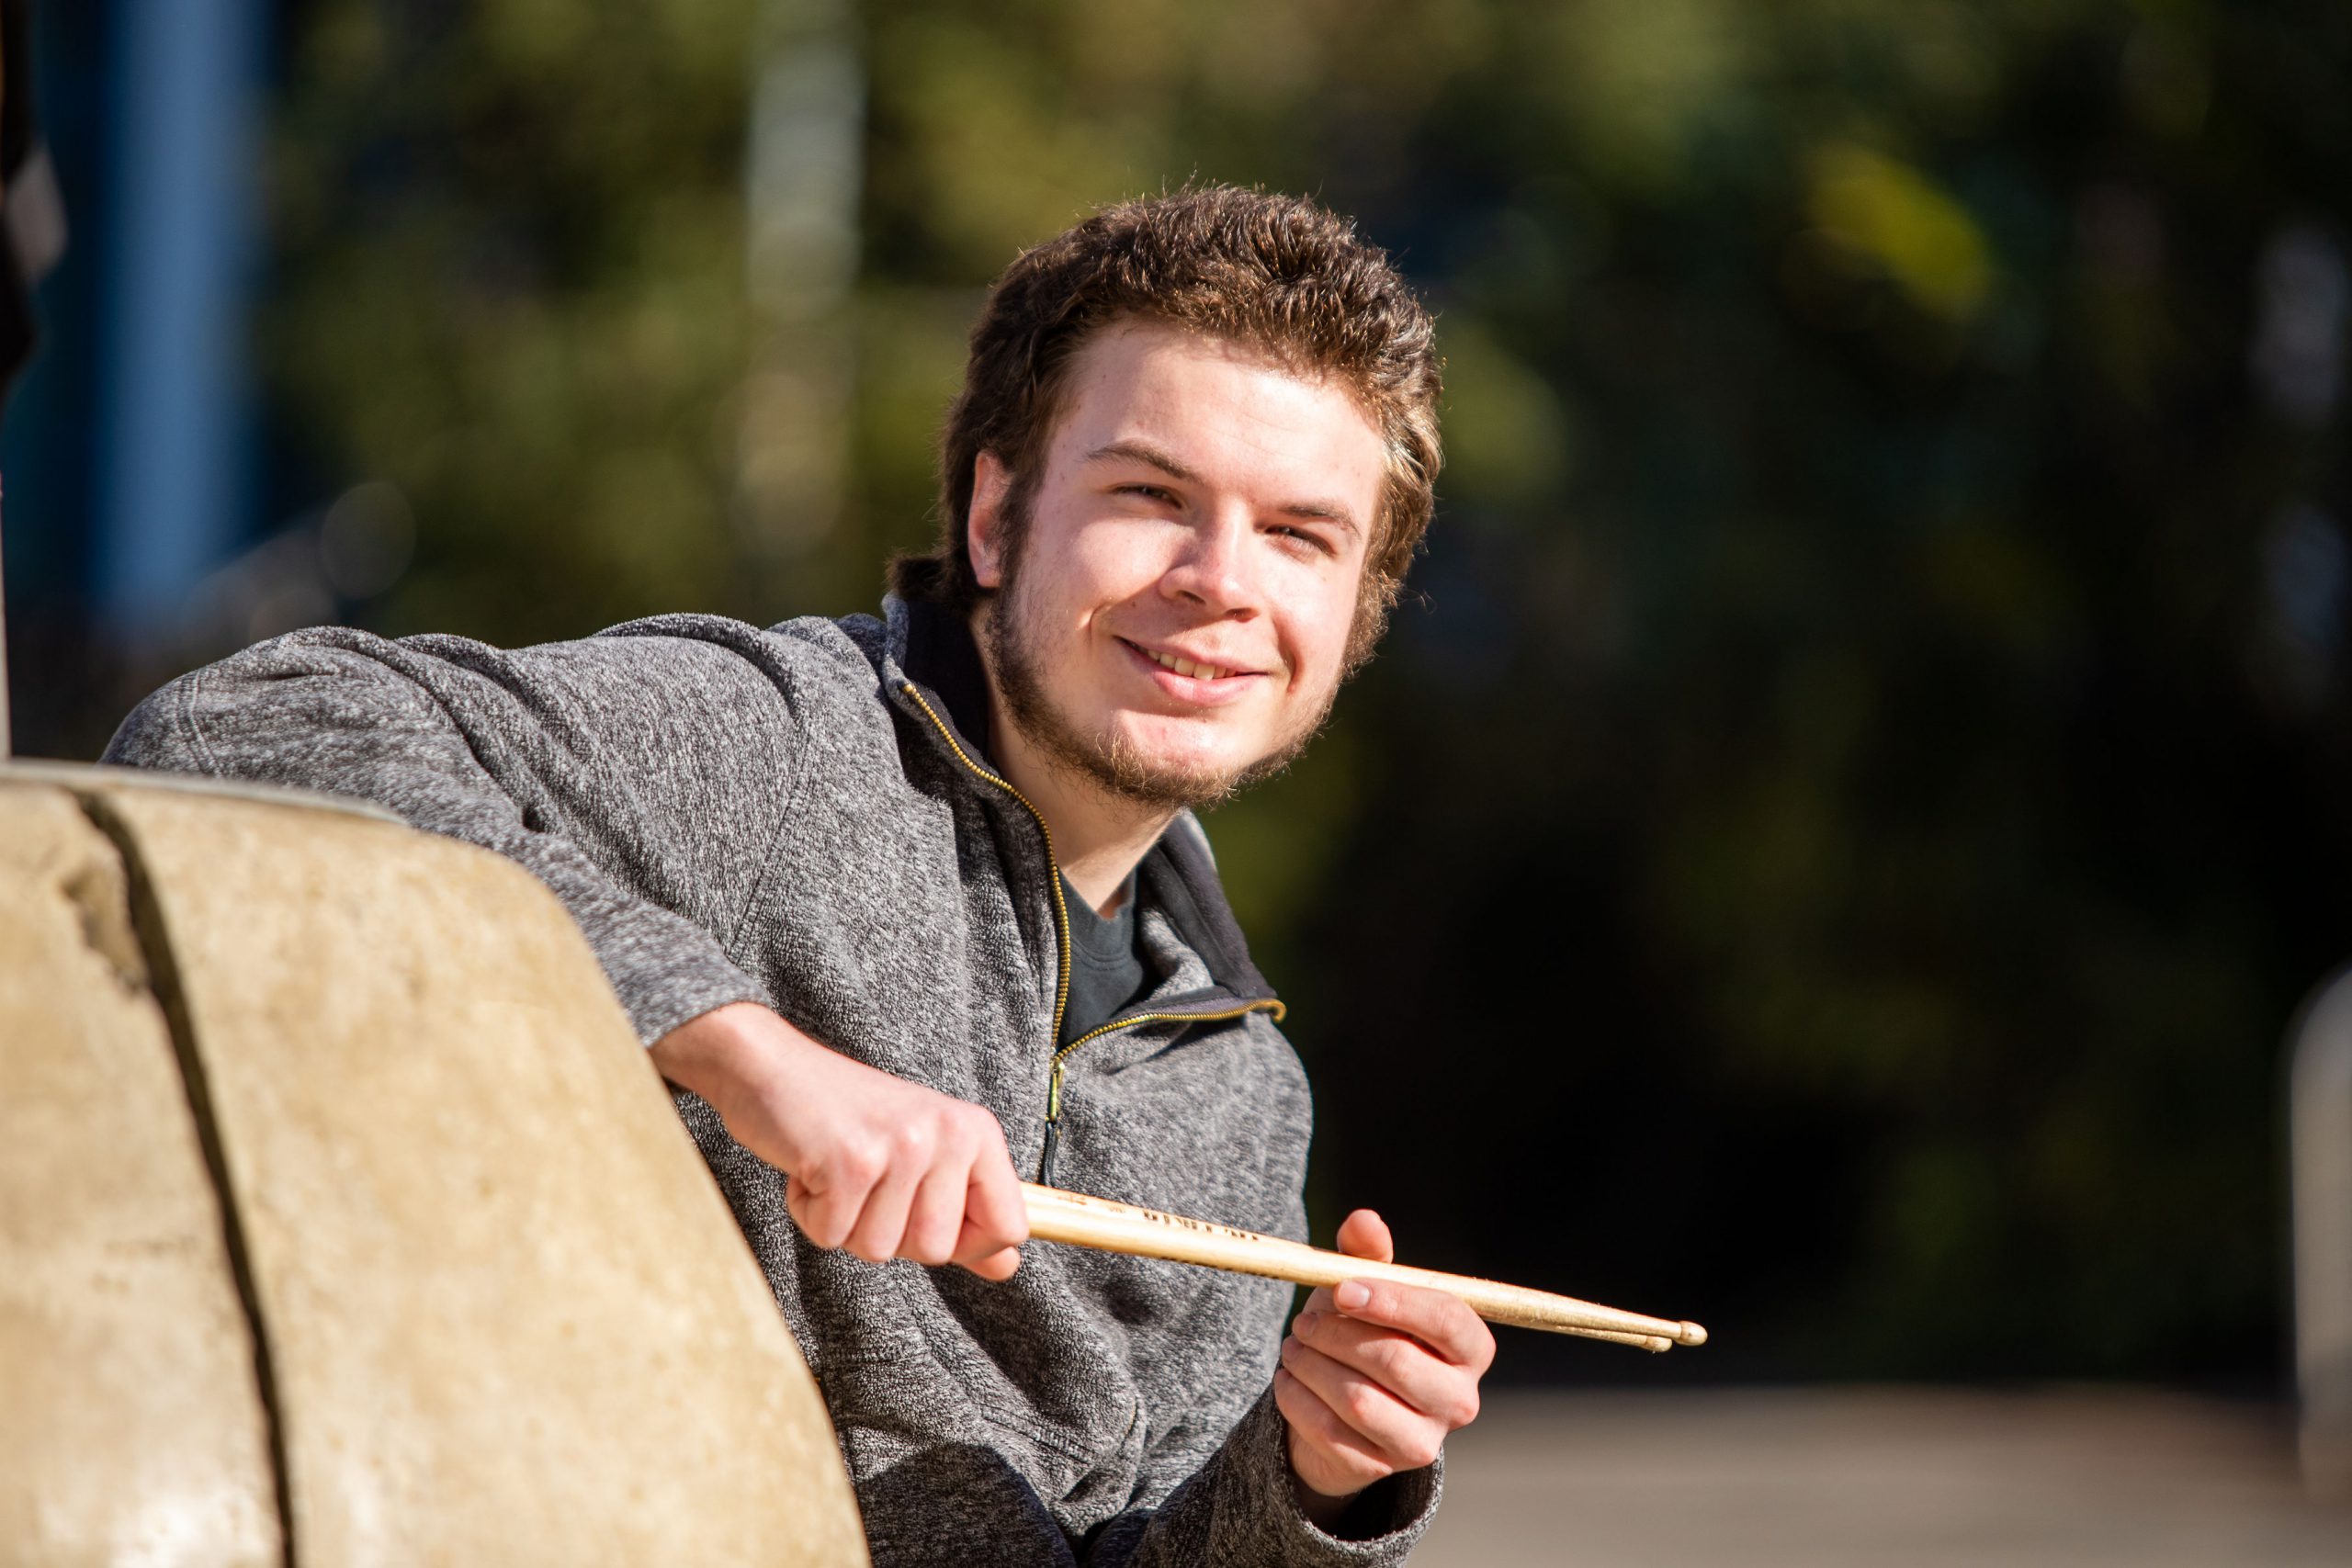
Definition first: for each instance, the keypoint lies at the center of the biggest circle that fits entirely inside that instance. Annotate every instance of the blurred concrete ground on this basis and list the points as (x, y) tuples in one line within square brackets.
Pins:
[(1891, 1478)]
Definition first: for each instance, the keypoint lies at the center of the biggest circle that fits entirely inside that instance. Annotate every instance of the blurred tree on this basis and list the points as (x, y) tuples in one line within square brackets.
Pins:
[(1899, 867), (510, 240), (1834, 846)]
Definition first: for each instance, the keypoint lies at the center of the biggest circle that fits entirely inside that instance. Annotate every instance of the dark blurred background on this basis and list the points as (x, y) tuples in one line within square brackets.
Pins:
[(1859, 788)]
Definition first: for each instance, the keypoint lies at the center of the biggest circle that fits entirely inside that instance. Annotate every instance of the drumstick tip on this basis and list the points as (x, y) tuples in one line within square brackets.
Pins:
[(1690, 1334)]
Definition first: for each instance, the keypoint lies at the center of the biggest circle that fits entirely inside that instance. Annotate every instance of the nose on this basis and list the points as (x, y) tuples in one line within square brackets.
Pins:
[(1216, 569)]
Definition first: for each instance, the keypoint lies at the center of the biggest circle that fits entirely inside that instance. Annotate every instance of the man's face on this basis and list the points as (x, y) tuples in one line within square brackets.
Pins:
[(1173, 619)]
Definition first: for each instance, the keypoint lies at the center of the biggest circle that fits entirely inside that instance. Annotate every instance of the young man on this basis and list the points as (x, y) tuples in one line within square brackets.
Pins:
[(906, 905)]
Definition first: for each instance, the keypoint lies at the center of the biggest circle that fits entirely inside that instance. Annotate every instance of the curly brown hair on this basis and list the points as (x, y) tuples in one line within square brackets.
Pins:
[(1276, 272)]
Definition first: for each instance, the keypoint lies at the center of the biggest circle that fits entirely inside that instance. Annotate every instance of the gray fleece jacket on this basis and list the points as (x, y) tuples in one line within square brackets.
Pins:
[(800, 817)]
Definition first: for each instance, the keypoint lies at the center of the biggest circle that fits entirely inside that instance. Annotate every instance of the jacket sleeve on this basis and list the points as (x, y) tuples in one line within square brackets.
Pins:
[(642, 775), (1239, 1507)]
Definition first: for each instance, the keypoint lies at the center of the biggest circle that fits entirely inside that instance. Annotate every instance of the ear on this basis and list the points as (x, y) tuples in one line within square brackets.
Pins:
[(984, 520)]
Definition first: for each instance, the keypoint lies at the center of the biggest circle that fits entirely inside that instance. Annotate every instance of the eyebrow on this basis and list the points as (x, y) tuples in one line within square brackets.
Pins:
[(1144, 452)]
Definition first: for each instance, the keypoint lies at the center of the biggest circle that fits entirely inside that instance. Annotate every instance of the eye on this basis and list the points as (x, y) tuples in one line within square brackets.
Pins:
[(1150, 492), (1301, 538)]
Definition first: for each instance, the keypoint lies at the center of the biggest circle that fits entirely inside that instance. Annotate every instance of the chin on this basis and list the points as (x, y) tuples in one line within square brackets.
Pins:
[(1154, 749), (1143, 766)]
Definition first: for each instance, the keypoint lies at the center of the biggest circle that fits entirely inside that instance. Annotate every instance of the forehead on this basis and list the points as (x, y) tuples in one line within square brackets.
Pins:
[(1229, 410)]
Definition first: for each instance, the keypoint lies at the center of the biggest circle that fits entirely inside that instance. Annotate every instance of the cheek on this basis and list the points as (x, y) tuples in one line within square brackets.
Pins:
[(1105, 564), (1320, 624)]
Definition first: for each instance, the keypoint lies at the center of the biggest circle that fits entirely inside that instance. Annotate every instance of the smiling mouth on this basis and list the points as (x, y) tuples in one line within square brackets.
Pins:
[(1186, 667)]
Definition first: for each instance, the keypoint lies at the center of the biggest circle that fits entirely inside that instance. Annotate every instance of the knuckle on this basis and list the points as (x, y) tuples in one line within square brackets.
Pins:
[(856, 1165), (994, 1189), (933, 1242), (1385, 1362), (815, 1216)]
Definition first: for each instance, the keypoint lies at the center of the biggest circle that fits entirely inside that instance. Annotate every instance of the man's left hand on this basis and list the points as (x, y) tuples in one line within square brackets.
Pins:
[(1374, 1376)]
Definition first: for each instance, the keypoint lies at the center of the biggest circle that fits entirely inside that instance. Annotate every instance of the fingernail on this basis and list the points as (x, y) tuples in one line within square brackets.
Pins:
[(1306, 1322), (1353, 1294)]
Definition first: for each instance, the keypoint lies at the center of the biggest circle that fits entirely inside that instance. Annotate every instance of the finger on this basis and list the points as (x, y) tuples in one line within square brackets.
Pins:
[(1400, 1435), (823, 1215), (1340, 1456), (882, 1220), (996, 1218), (1365, 1234), (1438, 1320), (996, 1265), (1408, 1368), (936, 1216)]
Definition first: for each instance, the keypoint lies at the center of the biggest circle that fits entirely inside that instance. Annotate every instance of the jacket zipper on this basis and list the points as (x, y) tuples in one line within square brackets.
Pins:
[(1061, 951)]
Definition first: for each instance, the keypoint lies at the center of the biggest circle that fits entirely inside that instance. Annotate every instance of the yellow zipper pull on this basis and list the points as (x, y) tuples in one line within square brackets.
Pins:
[(1053, 1124)]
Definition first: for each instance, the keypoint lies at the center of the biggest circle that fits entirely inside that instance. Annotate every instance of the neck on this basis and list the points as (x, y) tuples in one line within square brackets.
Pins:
[(1098, 838)]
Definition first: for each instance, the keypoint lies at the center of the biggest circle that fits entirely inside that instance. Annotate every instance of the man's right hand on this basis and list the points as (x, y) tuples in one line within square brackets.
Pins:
[(884, 1168)]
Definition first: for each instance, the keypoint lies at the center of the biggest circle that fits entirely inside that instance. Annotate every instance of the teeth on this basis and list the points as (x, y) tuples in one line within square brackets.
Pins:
[(1187, 668)]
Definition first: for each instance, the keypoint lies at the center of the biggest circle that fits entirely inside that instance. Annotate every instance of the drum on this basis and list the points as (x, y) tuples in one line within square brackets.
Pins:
[(343, 1220)]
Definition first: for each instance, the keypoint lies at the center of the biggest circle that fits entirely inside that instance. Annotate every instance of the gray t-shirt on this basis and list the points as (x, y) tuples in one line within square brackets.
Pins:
[(1106, 972)]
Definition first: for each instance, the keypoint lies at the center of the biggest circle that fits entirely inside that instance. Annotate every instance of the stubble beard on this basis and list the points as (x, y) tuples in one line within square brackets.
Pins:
[(1105, 759)]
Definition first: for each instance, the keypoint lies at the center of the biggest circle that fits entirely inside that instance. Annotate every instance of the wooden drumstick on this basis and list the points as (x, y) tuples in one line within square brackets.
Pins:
[(1082, 1221)]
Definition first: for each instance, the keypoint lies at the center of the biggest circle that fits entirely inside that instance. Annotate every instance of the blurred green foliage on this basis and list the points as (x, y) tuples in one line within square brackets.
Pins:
[(1833, 845), (509, 242)]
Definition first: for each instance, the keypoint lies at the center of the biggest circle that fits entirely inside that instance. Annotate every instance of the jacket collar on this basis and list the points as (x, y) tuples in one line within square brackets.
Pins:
[(932, 647)]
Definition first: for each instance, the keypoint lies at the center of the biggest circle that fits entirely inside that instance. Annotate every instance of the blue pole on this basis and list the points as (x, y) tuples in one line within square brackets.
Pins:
[(175, 398)]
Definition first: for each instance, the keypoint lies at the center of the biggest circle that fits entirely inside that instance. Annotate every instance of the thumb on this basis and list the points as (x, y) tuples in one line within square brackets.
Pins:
[(1365, 1234)]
